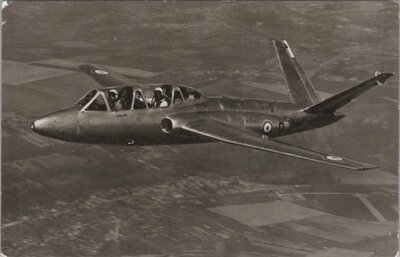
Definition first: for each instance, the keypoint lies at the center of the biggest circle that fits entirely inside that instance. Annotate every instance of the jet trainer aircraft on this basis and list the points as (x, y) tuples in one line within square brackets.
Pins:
[(125, 113)]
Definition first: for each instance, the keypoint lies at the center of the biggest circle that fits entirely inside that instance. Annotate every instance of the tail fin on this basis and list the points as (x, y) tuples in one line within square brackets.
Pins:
[(334, 102), (301, 90)]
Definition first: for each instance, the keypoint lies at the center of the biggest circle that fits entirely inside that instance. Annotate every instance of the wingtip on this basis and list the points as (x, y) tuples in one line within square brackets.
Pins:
[(389, 74), (367, 168), (385, 74), (85, 67), (382, 77), (278, 41)]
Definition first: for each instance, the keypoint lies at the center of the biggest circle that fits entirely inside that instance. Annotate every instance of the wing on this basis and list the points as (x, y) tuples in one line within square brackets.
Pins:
[(301, 90), (225, 133), (105, 77)]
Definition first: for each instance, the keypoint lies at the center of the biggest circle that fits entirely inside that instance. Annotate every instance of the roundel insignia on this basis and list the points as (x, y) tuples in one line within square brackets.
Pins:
[(101, 72), (334, 158), (267, 127)]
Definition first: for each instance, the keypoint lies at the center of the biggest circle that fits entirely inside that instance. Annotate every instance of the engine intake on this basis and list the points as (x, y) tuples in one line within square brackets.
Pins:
[(167, 125)]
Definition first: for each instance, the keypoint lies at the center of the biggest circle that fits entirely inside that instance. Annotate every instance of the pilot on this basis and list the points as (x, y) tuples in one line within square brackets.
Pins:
[(139, 101), (113, 98), (120, 104), (159, 100)]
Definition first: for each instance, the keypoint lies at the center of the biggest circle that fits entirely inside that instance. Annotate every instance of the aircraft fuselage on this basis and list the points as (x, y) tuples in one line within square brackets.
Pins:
[(145, 126), (126, 113)]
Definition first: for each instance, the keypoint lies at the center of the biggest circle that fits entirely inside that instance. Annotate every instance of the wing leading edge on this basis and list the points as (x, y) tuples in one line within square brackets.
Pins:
[(301, 90), (228, 134), (105, 77)]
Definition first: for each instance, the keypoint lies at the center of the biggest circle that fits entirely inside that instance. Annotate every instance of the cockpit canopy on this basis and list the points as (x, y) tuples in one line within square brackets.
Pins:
[(134, 98)]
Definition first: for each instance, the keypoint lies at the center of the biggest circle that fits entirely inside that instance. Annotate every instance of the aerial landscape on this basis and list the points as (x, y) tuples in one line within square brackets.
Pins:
[(213, 199)]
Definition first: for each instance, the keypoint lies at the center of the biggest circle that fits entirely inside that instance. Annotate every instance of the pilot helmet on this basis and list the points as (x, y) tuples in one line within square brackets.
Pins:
[(159, 89), (113, 93)]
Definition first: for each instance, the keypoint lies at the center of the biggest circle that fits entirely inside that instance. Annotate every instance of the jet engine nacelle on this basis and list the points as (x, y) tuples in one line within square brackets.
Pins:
[(270, 126), (172, 126), (167, 125)]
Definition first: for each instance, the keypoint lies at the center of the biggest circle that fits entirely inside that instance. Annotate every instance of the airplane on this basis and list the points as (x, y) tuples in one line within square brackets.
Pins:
[(126, 113)]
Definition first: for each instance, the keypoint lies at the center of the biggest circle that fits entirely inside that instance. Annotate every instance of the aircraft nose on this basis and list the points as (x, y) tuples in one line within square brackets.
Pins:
[(43, 126), (60, 125)]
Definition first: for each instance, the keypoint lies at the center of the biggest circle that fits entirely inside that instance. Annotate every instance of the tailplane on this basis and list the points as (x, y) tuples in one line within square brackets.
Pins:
[(334, 102)]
